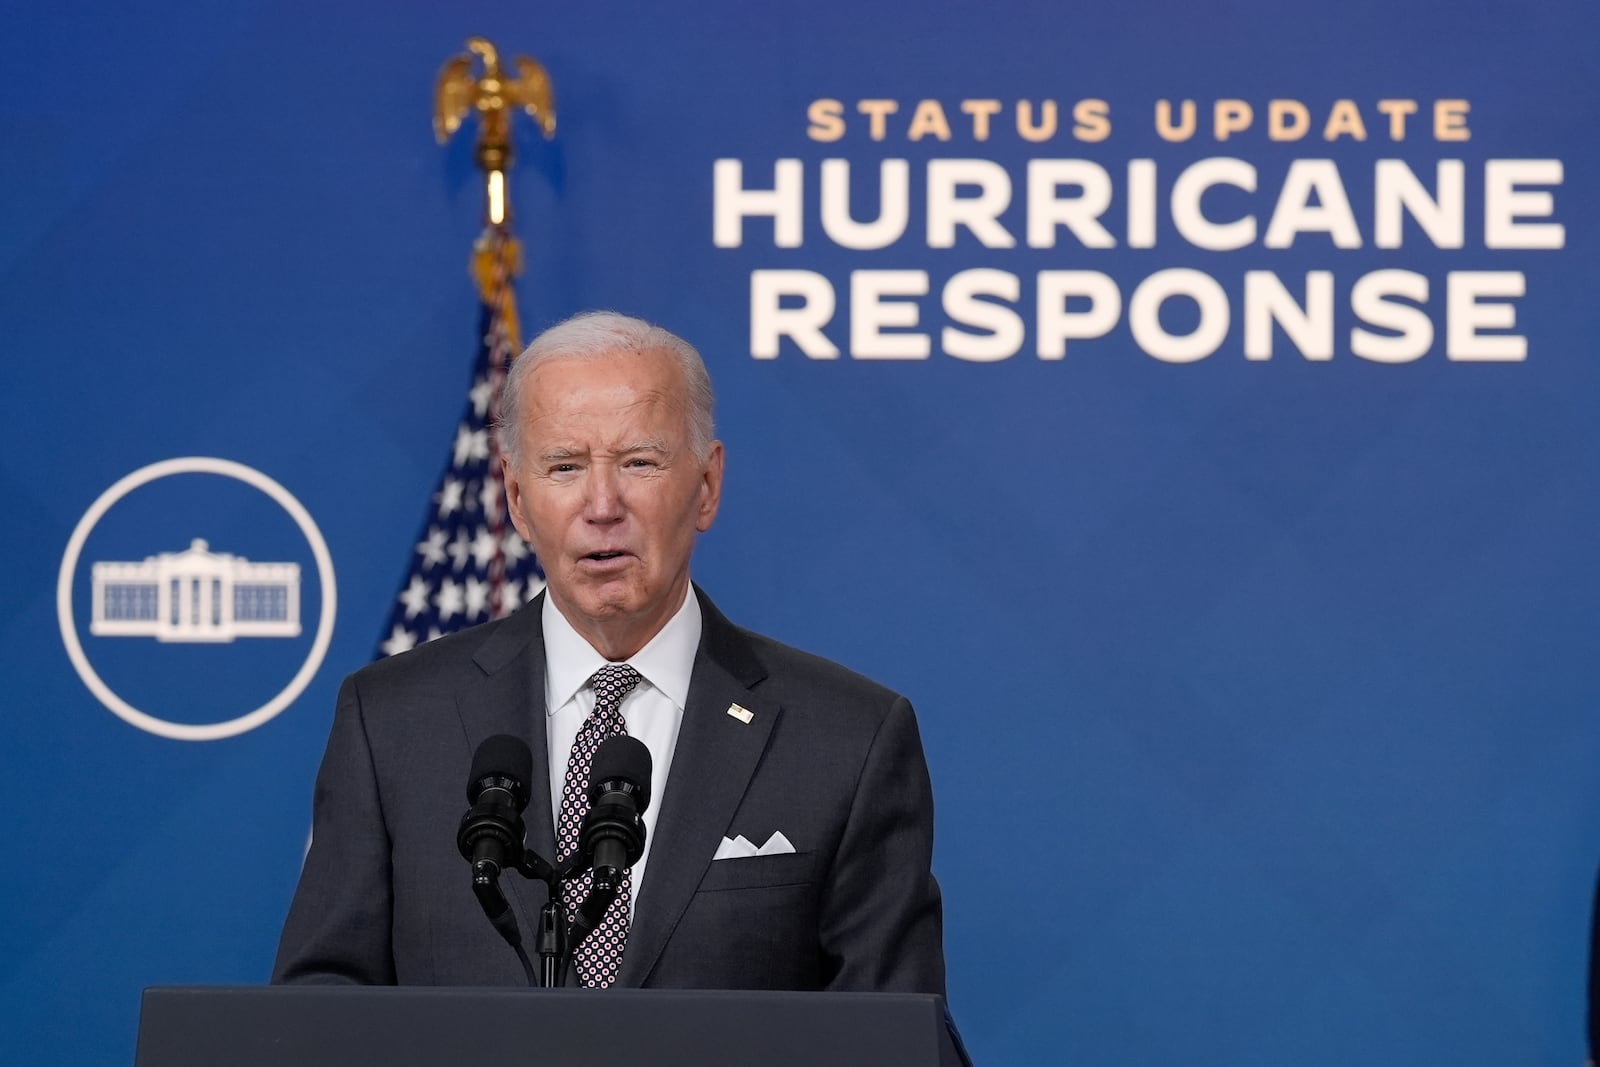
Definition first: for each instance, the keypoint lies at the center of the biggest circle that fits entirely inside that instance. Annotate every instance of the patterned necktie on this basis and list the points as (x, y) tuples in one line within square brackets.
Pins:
[(600, 956)]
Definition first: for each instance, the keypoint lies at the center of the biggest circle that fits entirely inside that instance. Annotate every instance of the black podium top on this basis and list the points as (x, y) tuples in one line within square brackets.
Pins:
[(323, 1026)]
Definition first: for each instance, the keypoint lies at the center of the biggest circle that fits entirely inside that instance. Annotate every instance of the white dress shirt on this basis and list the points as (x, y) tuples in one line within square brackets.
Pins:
[(653, 710)]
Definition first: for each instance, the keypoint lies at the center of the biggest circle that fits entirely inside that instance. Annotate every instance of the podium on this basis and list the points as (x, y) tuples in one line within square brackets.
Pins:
[(325, 1026)]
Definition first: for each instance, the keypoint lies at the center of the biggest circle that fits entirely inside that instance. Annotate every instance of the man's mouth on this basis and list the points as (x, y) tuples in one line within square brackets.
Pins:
[(604, 555)]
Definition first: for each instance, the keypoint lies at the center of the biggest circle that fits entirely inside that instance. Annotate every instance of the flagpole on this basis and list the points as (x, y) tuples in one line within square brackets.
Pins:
[(495, 96), (469, 564)]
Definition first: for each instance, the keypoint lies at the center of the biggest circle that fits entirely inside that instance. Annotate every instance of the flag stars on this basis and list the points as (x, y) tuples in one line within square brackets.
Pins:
[(400, 640), (480, 395), (513, 547), (489, 497), (477, 598), (510, 600), (450, 601), (432, 550), (470, 445), (459, 549), (415, 597), (483, 548), (449, 496)]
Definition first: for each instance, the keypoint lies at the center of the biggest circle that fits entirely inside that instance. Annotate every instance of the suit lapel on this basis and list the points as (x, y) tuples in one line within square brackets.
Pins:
[(715, 757), (508, 698)]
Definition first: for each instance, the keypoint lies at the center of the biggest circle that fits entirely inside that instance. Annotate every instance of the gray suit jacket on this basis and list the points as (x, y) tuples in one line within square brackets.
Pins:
[(830, 758)]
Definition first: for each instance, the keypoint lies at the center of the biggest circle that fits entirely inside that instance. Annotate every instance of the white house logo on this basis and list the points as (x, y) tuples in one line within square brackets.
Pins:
[(196, 595), (197, 611)]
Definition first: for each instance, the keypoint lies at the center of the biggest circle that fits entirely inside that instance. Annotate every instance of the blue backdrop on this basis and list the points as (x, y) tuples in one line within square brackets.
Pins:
[(1287, 658)]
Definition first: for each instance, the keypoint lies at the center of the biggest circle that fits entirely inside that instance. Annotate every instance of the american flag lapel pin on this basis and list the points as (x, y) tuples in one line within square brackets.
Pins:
[(743, 714)]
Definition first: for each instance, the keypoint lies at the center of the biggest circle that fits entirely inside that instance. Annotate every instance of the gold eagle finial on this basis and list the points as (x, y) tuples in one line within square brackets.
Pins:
[(497, 254), (457, 94), (494, 97)]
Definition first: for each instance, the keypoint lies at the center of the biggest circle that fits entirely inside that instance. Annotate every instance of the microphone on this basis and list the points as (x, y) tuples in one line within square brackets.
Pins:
[(619, 793), (492, 832), (612, 838)]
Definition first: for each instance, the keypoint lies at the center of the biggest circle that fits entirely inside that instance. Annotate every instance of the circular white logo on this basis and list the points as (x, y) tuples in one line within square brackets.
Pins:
[(151, 598)]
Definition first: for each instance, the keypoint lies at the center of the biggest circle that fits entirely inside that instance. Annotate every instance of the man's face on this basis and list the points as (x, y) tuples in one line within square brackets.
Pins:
[(609, 492)]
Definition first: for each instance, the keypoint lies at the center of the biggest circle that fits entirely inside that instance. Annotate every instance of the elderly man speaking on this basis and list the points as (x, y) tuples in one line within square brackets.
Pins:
[(790, 833)]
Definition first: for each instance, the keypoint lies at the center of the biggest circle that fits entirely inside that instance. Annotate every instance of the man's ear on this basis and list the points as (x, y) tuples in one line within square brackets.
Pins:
[(508, 474), (710, 489)]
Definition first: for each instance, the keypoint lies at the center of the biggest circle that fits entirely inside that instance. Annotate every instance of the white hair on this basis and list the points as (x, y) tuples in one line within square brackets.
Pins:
[(595, 334)]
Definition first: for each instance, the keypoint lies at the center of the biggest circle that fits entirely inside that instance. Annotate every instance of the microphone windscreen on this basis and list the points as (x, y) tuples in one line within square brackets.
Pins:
[(621, 758), (501, 756)]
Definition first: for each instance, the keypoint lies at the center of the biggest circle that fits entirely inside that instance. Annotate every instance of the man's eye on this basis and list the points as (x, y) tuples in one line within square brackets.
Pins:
[(563, 468)]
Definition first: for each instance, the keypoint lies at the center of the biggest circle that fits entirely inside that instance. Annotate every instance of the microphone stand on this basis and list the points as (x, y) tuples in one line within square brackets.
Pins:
[(557, 936), (552, 918)]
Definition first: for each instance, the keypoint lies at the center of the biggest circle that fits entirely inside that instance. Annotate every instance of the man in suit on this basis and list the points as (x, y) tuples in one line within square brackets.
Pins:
[(790, 833)]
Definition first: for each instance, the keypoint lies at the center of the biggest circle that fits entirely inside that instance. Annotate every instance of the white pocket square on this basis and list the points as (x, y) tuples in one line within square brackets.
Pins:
[(741, 847)]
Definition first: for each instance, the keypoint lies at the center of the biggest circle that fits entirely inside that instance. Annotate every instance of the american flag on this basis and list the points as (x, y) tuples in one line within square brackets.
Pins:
[(470, 564)]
